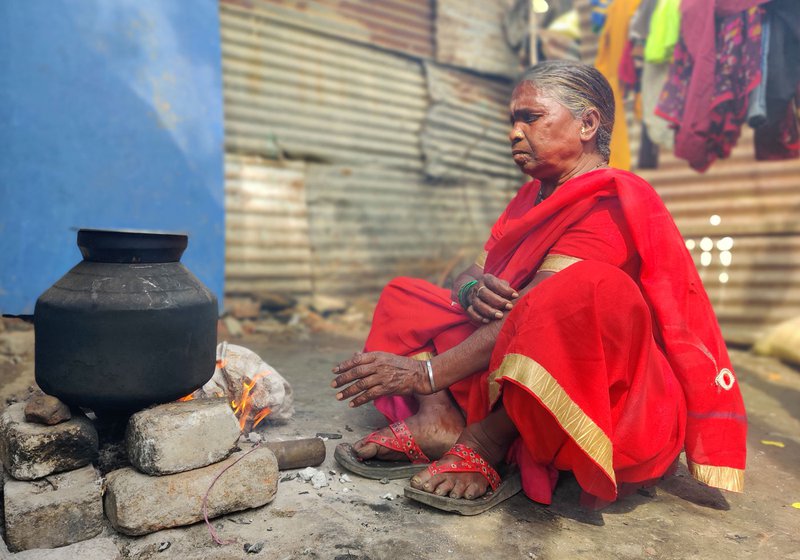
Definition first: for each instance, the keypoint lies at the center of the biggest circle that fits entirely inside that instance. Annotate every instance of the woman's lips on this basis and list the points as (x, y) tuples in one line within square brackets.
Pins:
[(521, 157)]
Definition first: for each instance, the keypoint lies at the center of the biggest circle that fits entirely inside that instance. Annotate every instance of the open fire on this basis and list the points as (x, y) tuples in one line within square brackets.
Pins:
[(253, 388)]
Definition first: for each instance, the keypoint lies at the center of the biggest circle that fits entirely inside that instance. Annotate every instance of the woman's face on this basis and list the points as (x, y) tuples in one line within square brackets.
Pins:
[(545, 137)]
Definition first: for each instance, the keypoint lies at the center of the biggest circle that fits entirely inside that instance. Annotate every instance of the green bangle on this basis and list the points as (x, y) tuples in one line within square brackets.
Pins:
[(464, 291)]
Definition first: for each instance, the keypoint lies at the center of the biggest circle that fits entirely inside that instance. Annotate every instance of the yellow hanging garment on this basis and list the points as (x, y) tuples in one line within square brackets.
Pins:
[(609, 53)]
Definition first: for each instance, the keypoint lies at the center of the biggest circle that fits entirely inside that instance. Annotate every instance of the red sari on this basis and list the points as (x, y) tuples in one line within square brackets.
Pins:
[(608, 368)]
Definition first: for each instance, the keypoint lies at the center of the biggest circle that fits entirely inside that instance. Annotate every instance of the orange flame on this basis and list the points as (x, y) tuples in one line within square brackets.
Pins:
[(244, 407)]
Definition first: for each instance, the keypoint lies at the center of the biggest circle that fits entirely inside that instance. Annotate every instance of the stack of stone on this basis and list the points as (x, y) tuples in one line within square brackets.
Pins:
[(54, 497), (177, 451), (52, 494)]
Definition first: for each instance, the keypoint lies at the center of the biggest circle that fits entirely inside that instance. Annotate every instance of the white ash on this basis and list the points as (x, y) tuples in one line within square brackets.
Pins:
[(308, 473)]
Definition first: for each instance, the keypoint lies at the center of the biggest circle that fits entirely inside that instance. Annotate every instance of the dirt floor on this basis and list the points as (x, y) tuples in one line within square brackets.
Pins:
[(358, 520)]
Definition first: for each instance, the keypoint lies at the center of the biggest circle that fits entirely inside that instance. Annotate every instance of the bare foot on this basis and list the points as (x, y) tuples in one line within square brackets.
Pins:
[(491, 438), (435, 427)]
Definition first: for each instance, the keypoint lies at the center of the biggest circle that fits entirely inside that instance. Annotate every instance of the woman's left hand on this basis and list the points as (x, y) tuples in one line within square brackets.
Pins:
[(376, 374)]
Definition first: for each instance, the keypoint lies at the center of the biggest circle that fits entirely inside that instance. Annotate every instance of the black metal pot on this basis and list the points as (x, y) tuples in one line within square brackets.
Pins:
[(127, 327)]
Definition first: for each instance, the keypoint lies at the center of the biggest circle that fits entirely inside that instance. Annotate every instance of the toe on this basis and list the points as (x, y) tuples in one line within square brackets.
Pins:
[(458, 489), (365, 450), (444, 487), (473, 491)]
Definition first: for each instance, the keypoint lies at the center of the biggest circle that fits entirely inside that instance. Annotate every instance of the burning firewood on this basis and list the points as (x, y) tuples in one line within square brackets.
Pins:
[(253, 387)]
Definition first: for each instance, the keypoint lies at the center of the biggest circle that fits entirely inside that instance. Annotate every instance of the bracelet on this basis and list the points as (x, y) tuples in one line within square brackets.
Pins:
[(429, 367), (464, 291)]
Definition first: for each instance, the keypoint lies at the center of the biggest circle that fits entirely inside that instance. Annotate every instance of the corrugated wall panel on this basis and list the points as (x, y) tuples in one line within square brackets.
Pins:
[(312, 96), (758, 204), (400, 25), (470, 34), (268, 247), (466, 128), (371, 224)]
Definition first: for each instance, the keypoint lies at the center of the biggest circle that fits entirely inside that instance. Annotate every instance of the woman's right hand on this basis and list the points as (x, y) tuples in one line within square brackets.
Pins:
[(490, 299)]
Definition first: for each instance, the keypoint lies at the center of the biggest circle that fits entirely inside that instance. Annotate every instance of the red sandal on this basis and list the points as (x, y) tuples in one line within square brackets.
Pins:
[(402, 441), (470, 461)]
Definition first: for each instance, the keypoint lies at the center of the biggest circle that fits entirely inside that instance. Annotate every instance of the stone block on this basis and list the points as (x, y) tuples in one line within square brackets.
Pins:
[(29, 451), (138, 504), (181, 436), (100, 548), (59, 510)]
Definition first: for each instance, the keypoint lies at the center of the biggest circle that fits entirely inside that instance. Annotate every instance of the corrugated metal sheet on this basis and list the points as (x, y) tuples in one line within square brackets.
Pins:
[(371, 224), (315, 97), (268, 247), (470, 34), (588, 48), (757, 204), (466, 128), (404, 26)]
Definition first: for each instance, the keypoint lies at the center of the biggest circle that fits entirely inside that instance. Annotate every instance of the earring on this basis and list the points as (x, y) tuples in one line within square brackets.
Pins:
[(583, 130)]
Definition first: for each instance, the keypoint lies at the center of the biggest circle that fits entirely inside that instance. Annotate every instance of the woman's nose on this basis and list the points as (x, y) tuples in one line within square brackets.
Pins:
[(514, 135)]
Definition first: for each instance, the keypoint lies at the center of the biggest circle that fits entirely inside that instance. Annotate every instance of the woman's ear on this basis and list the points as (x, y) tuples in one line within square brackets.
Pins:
[(590, 123)]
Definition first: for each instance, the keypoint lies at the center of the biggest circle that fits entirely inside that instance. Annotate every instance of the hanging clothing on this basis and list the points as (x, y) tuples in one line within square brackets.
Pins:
[(777, 138), (716, 65), (664, 31), (613, 405), (610, 48)]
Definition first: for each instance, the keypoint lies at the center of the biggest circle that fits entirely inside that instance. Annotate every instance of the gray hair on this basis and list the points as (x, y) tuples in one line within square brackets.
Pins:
[(578, 87)]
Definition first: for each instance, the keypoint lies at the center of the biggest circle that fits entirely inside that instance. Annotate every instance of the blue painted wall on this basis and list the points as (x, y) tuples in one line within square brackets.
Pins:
[(110, 117)]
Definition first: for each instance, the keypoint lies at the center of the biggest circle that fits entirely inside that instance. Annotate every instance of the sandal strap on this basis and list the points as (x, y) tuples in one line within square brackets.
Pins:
[(403, 441), (471, 461)]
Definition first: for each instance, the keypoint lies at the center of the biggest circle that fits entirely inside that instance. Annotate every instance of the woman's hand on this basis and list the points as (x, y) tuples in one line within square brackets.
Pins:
[(490, 299), (375, 374)]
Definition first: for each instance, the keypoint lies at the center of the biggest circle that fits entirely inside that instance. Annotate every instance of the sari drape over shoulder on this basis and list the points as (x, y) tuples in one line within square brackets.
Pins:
[(607, 372)]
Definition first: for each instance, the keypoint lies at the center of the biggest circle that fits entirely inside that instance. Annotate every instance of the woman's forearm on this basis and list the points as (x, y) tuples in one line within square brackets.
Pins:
[(470, 356)]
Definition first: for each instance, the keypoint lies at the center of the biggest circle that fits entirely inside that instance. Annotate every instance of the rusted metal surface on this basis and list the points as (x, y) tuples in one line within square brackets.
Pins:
[(268, 247), (294, 92), (466, 127), (755, 207), (404, 26), (470, 34), (371, 224)]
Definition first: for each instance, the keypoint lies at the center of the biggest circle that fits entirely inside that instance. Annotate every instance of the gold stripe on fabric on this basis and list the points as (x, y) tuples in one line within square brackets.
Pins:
[(726, 478), (422, 356), (588, 435), (557, 263), (481, 260)]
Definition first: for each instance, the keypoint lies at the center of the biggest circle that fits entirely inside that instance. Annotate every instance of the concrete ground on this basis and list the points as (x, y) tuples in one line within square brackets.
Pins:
[(356, 520)]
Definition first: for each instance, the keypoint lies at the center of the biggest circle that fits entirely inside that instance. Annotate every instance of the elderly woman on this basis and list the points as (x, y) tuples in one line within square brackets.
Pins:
[(582, 340)]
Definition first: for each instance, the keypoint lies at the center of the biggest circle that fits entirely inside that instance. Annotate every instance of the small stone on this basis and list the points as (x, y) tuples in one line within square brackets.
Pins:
[(345, 490), (276, 302), (29, 451), (388, 496), (326, 305), (46, 409), (384, 481), (181, 436), (59, 510), (319, 480), (344, 479), (254, 437), (100, 548), (137, 504), (164, 546), (308, 473), (243, 307), (234, 326), (253, 548)]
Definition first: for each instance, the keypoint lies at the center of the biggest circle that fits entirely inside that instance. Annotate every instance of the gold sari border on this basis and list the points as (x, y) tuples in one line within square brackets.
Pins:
[(557, 263), (481, 260), (580, 427), (726, 478), (422, 356)]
